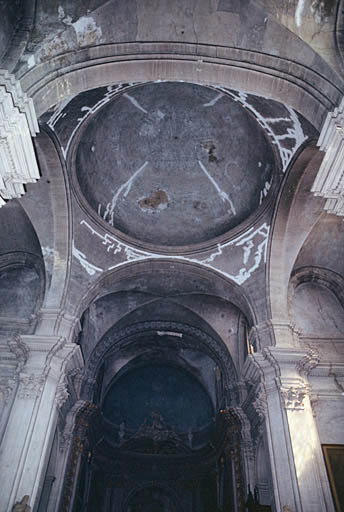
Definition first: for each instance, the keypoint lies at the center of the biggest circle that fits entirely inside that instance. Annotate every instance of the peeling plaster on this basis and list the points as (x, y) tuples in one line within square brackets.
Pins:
[(87, 32)]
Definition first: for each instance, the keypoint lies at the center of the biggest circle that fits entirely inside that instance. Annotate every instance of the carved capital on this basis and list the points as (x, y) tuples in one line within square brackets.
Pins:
[(294, 396), (30, 385)]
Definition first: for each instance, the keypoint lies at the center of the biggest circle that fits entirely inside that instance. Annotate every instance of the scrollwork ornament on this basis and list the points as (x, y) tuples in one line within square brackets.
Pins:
[(294, 396)]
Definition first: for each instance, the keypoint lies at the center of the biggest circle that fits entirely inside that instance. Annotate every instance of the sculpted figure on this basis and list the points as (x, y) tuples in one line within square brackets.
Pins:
[(22, 506)]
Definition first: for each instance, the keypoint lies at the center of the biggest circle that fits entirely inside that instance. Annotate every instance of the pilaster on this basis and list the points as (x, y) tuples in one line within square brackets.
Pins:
[(283, 399), (41, 391)]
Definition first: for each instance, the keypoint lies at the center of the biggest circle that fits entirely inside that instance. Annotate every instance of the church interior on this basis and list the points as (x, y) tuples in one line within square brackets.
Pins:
[(171, 255)]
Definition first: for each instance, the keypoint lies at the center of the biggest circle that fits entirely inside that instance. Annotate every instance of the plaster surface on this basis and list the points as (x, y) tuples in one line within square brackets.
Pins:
[(140, 156)]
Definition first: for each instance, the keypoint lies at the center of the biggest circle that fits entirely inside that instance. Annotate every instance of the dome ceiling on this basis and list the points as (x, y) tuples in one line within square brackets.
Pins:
[(173, 163)]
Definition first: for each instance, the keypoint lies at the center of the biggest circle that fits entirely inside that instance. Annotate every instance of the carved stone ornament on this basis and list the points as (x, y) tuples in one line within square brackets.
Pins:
[(294, 397), (260, 404), (307, 363), (18, 124), (6, 388), (329, 182), (62, 394), (30, 385), (19, 349)]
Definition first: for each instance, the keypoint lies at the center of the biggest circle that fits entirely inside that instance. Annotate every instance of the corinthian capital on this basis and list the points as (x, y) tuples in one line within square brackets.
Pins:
[(294, 397)]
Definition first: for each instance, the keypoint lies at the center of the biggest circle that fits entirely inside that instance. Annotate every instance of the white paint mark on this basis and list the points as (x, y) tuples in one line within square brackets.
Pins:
[(224, 196), (295, 132), (265, 191), (89, 267), (248, 241), (298, 12), (260, 164), (134, 102), (171, 333), (58, 114), (213, 101), (109, 211)]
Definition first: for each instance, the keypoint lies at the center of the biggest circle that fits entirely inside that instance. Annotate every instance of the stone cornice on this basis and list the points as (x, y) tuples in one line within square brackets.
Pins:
[(329, 182), (18, 123)]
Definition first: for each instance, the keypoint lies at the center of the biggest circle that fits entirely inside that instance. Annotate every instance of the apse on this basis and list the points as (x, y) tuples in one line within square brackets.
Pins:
[(167, 393)]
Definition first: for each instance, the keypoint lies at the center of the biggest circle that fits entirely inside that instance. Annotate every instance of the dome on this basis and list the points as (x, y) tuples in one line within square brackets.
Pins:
[(173, 163)]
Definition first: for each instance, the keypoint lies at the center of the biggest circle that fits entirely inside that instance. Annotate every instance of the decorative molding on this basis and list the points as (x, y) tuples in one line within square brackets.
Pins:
[(30, 385), (294, 396), (18, 123), (329, 182)]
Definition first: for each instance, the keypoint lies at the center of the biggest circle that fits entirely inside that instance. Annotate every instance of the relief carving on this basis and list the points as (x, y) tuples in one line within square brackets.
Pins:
[(19, 349), (6, 388), (294, 397), (30, 385), (62, 394), (307, 363), (260, 403)]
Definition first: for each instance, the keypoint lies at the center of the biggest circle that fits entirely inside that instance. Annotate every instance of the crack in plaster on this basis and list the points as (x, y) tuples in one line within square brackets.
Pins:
[(224, 196)]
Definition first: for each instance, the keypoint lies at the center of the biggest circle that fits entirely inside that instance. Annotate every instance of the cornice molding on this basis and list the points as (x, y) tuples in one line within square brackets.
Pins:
[(329, 182), (18, 123)]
